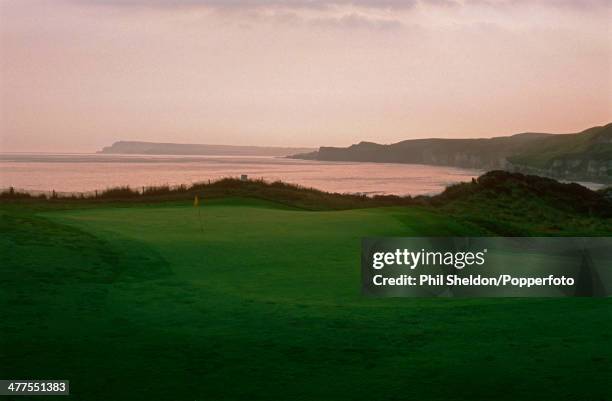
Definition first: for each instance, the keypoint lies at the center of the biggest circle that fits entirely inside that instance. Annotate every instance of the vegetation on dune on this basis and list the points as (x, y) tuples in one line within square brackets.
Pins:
[(571, 197), (513, 204), (277, 191), (139, 303), (498, 202)]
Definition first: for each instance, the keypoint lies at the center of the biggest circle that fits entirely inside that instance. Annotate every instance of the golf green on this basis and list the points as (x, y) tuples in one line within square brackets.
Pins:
[(258, 301)]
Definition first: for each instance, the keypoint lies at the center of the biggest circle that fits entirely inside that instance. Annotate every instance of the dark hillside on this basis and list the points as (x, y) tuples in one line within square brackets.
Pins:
[(517, 204), (583, 156), (586, 155)]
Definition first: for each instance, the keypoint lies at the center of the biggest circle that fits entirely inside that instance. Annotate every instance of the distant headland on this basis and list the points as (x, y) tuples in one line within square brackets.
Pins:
[(154, 148)]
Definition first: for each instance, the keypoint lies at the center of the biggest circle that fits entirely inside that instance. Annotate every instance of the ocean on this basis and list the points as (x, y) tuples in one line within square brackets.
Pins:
[(87, 172)]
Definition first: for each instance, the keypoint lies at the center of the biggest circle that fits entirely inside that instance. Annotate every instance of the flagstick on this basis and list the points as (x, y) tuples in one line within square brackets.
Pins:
[(200, 218), (196, 203)]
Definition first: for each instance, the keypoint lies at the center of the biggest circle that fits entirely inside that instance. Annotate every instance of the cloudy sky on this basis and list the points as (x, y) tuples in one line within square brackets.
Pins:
[(76, 75)]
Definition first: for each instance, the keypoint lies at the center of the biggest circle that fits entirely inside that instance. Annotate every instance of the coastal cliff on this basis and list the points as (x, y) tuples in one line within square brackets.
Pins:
[(586, 155)]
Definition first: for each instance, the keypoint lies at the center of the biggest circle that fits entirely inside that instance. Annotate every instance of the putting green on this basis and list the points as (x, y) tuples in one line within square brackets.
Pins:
[(263, 303)]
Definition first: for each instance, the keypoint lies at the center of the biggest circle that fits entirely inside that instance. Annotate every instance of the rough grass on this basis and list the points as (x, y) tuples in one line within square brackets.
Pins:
[(131, 300), (512, 204), (137, 303), (279, 192)]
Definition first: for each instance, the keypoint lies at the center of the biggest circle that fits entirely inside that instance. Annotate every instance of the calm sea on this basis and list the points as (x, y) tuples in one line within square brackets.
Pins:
[(87, 172)]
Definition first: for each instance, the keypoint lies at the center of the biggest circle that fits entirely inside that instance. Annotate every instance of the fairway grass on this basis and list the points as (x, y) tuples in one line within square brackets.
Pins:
[(264, 303)]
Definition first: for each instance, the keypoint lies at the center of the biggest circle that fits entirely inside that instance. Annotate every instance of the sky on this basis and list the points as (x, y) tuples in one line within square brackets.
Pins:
[(76, 75)]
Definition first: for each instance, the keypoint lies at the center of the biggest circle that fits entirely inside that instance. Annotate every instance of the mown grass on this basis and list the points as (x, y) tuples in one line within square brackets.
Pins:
[(500, 203), (132, 300)]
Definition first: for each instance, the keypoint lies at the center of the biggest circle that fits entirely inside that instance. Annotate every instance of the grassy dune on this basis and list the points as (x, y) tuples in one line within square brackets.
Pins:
[(137, 303)]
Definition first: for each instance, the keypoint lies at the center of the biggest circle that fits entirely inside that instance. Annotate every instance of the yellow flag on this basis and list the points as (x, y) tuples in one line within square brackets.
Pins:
[(196, 201)]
